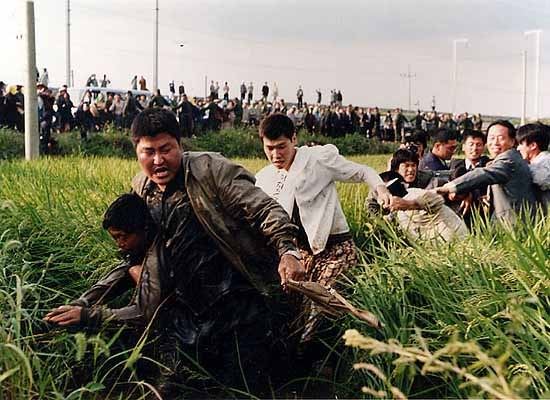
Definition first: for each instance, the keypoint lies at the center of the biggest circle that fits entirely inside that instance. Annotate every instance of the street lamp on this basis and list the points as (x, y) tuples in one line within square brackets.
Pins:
[(156, 49), (408, 75), (455, 42), (68, 47), (537, 33)]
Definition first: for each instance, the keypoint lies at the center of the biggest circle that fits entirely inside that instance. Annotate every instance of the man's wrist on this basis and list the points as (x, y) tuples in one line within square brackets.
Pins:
[(451, 186), (294, 253)]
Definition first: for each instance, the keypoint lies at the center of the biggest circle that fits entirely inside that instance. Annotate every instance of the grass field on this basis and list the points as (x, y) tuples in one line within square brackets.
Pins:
[(466, 319)]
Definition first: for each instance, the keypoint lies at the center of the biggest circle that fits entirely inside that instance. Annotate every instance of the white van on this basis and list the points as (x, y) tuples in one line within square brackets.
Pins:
[(77, 94)]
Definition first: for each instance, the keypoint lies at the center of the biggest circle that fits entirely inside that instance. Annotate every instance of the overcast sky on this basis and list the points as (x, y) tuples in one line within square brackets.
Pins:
[(359, 46)]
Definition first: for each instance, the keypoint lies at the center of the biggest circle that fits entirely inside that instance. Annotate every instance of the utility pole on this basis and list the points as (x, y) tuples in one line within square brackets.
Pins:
[(408, 75), (205, 85), (31, 103), (524, 87), (68, 46), (156, 49), (537, 33), (455, 42)]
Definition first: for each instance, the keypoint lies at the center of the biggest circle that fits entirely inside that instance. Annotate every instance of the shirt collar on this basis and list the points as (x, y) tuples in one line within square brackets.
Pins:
[(540, 157), (470, 164)]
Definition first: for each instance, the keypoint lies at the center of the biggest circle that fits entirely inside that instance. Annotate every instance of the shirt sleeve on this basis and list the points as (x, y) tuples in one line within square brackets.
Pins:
[(498, 172), (144, 305), (541, 174), (345, 170), (96, 316), (108, 288)]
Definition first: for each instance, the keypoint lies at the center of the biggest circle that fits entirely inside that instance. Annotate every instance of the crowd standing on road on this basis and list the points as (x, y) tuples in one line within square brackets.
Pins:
[(98, 107)]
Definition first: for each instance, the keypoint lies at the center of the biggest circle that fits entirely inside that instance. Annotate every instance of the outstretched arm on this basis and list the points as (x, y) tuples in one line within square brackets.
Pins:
[(345, 170), (108, 288), (499, 171)]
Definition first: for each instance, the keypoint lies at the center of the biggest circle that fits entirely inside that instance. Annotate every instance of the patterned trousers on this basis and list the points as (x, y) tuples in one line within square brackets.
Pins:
[(324, 268)]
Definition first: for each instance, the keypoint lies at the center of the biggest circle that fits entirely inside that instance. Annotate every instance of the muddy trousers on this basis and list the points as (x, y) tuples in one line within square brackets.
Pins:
[(234, 366)]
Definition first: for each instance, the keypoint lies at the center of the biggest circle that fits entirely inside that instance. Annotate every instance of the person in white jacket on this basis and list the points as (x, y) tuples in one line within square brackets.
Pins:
[(302, 180), (533, 140)]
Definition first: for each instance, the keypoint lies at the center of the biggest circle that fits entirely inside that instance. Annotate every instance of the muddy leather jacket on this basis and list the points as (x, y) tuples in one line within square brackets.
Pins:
[(250, 228)]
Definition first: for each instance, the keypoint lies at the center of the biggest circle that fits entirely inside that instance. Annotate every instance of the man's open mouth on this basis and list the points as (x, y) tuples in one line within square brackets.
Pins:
[(160, 172)]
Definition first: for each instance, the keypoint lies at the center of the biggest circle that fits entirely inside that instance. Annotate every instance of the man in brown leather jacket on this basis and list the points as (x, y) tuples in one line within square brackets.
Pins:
[(211, 281)]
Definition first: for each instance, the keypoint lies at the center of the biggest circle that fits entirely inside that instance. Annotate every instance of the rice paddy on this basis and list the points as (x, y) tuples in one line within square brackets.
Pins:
[(465, 319)]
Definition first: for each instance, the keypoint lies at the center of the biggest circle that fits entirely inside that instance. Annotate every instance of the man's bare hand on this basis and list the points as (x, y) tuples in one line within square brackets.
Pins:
[(64, 315), (290, 268), (400, 204), (135, 273), (466, 204), (443, 190), (452, 196), (384, 196)]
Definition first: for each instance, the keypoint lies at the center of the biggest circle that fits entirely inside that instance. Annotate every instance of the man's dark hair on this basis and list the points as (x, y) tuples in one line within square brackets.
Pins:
[(471, 133), (128, 213), (417, 136), (505, 123), (444, 135), (154, 121), (276, 125), (535, 133), (402, 156)]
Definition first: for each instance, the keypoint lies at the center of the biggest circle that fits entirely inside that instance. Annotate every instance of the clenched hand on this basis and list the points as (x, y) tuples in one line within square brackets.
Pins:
[(290, 268)]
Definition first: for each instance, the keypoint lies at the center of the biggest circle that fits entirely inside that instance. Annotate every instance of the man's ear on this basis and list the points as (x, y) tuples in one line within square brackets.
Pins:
[(294, 139), (533, 146)]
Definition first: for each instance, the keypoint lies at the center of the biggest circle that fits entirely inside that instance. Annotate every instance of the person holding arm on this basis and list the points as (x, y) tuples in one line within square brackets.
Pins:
[(508, 176), (303, 180)]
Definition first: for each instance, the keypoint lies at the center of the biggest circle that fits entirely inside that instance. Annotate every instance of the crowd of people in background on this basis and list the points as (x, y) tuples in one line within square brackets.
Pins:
[(99, 106)]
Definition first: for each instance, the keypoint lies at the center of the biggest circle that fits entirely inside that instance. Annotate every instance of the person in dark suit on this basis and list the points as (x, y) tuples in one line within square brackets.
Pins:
[(376, 124), (443, 149), (508, 176), (473, 148), (185, 116)]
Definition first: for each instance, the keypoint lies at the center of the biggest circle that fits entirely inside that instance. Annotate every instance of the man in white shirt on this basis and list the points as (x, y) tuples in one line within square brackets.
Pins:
[(533, 142), (250, 91), (45, 79), (302, 180)]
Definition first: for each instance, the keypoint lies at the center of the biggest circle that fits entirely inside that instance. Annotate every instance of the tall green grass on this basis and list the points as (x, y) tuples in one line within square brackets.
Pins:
[(480, 306), (466, 319)]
